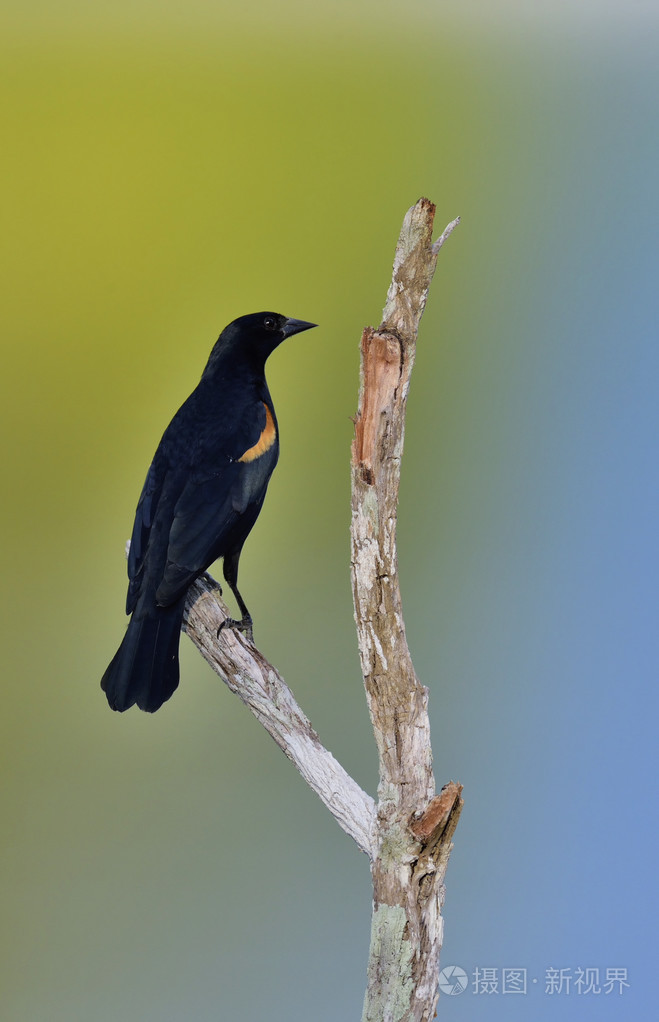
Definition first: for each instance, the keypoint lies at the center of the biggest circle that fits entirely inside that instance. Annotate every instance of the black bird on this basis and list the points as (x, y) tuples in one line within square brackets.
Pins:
[(202, 495)]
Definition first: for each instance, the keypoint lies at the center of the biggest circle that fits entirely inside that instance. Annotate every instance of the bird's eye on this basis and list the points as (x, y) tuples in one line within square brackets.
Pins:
[(270, 323)]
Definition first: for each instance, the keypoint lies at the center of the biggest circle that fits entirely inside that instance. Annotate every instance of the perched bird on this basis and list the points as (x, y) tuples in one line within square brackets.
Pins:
[(202, 495)]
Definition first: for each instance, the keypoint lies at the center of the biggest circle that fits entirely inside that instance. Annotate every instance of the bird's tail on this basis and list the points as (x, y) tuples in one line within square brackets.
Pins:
[(145, 668)]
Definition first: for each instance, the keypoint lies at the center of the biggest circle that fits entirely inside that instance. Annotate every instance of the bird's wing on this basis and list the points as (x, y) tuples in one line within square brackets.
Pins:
[(201, 496), (147, 507), (210, 516)]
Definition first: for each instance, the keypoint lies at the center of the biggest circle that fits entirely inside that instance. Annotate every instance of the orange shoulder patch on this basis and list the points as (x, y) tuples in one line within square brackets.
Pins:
[(265, 441)]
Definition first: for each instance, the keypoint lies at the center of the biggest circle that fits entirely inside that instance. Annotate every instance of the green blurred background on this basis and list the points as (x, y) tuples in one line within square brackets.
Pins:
[(168, 167)]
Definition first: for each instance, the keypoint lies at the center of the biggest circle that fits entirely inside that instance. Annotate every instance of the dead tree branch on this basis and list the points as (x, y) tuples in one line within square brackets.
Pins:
[(263, 690), (408, 835), (414, 828)]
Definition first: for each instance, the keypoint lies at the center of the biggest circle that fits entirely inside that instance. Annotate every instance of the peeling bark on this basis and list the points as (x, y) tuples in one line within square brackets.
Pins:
[(413, 832)]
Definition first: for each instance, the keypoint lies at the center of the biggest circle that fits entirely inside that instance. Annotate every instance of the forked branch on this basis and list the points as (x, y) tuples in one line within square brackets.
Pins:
[(408, 835)]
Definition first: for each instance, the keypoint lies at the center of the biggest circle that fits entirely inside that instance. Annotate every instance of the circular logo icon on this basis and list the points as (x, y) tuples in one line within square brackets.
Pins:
[(453, 980)]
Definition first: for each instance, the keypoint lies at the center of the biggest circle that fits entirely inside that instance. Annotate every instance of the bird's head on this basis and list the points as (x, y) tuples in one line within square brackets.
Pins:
[(250, 339)]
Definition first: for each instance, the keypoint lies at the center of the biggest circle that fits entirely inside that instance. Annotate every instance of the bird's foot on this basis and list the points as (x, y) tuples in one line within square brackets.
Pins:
[(244, 625)]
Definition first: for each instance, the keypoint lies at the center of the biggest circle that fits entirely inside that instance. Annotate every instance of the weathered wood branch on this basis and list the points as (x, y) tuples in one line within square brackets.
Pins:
[(413, 829), (263, 690), (408, 835)]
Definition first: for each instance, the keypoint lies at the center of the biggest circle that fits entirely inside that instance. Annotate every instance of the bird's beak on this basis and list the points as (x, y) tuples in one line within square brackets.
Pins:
[(295, 326)]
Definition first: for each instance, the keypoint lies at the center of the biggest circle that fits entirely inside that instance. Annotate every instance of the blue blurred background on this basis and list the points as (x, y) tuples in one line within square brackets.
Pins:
[(169, 167)]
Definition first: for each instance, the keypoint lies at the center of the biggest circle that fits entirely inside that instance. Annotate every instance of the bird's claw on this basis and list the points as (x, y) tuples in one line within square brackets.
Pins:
[(244, 625)]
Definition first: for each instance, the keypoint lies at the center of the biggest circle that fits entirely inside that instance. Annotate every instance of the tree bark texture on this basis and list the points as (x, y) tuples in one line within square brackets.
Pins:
[(408, 833), (414, 828)]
